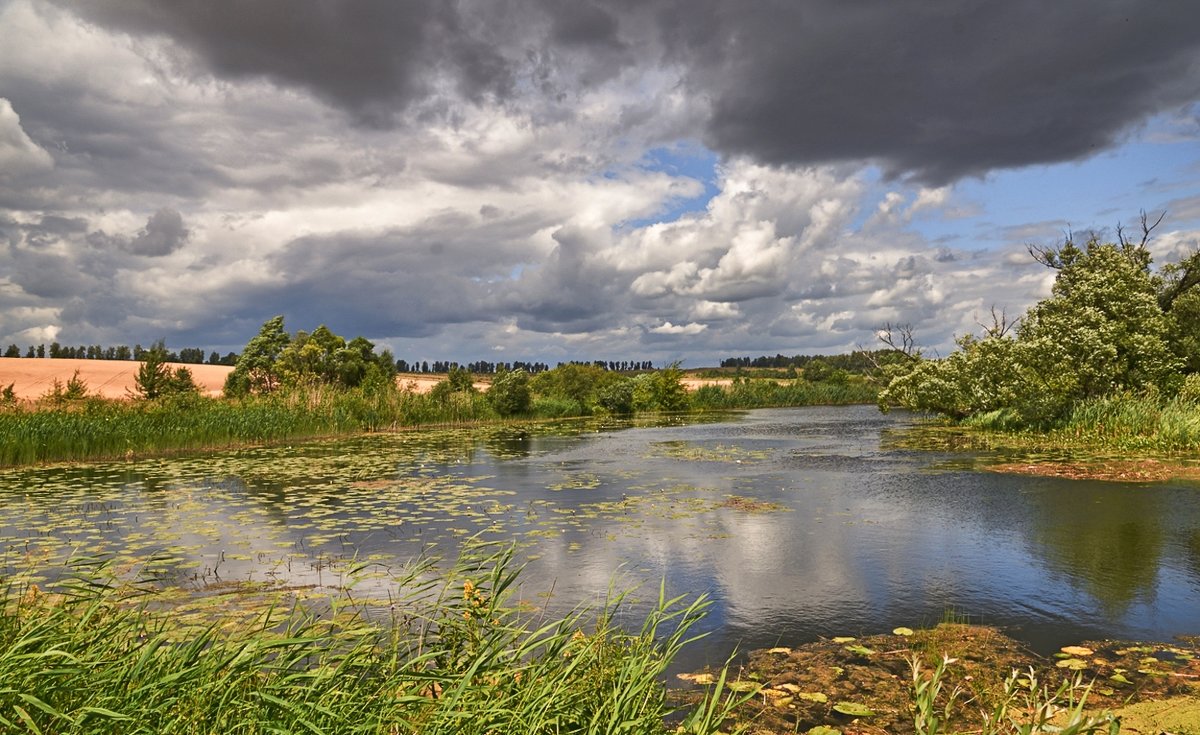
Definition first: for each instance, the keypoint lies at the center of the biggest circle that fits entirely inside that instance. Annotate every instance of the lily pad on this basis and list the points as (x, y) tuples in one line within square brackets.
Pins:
[(860, 651), (697, 678), (1074, 664), (817, 697), (1077, 650), (854, 709), (744, 686), (844, 639), (824, 730), (902, 631)]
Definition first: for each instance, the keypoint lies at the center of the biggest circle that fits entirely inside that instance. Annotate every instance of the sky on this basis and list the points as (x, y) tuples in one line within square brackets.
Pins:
[(554, 180)]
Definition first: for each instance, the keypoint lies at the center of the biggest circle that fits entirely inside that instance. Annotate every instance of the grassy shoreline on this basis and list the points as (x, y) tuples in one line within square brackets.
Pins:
[(97, 429), (456, 656)]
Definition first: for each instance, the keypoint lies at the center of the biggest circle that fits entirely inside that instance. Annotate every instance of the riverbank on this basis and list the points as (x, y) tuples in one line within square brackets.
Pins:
[(966, 674), (1122, 439), (453, 656), (97, 429)]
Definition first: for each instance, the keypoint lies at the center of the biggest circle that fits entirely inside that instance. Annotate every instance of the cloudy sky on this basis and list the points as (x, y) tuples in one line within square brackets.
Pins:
[(554, 179)]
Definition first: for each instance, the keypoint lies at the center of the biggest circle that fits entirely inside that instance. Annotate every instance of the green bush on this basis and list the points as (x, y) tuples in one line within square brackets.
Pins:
[(509, 393)]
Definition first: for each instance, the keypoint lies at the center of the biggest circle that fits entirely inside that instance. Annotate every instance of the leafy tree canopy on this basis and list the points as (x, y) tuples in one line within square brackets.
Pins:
[(274, 359), (1102, 331)]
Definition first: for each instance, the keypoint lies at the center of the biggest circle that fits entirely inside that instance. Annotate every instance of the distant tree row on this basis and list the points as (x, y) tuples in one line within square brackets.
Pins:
[(483, 367), (859, 361), (189, 355)]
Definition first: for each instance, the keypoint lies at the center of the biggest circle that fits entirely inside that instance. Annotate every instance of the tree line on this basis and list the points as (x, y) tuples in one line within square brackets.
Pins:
[(187, 355), (484, 367), (197, 356), (858, 361)]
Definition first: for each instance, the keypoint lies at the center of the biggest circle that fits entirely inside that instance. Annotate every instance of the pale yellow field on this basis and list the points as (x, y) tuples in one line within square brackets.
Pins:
[(32, 377)]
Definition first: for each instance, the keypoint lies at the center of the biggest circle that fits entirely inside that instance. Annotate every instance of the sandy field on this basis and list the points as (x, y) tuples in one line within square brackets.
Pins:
[(31, 377)]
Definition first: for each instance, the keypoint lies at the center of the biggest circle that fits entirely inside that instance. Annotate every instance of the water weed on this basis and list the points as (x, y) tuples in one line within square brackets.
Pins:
[(453, 656)]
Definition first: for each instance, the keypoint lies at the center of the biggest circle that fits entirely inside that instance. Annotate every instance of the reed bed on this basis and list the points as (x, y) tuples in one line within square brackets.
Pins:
[(456, 657), (774, 394), (99, 429), (1123, 422)]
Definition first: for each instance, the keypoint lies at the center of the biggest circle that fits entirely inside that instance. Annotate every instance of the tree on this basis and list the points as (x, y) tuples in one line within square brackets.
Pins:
[(153, 375), (12, 351), (1101, 331), (155, 379), (509, 393), (458, 380), (257, 370), (617, 398)]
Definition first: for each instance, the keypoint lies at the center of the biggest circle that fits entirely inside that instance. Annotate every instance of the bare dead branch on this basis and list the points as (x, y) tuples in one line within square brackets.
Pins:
[(1001, 324), (899, 337), (1047, 255), (1146, 230)]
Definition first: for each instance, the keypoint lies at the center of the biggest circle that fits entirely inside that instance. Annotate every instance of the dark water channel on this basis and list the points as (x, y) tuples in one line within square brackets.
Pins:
[(798, 523)]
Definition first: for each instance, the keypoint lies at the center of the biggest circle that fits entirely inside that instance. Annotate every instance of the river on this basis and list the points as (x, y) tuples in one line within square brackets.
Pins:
[(798, 523)]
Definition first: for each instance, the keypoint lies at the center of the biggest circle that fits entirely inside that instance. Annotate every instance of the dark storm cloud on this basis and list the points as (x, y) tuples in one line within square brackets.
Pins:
[(409, 282), (933, 90), (163, 234), (372, 57)]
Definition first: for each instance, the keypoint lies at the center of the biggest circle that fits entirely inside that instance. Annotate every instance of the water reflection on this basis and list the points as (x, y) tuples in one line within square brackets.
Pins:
[(865, 536)]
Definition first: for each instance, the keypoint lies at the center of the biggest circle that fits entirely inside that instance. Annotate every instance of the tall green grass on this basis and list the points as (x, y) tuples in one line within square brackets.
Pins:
[(1124, 422), (105, 429), (744, 393), (455, 658), (96, 429)]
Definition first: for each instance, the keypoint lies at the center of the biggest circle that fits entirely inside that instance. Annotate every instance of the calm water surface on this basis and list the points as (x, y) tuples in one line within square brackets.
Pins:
[(839, 534)]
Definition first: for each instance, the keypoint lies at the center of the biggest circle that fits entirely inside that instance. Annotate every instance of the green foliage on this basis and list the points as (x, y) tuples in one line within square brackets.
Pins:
[(575, 382), (155, 379), (1101, 332), (617, 397), (458, 658), (1026, 706), (1180, 299), (556, 408), (760, 393), (76, 388), (257, 370), (661, 390), (458, 381), (274, 360), (9, 395), (509, 393)]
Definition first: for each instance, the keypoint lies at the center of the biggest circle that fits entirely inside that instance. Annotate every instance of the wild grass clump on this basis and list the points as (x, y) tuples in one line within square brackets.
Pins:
[(96, 428), (1025, 706), (1123, 422), (455, 658)]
